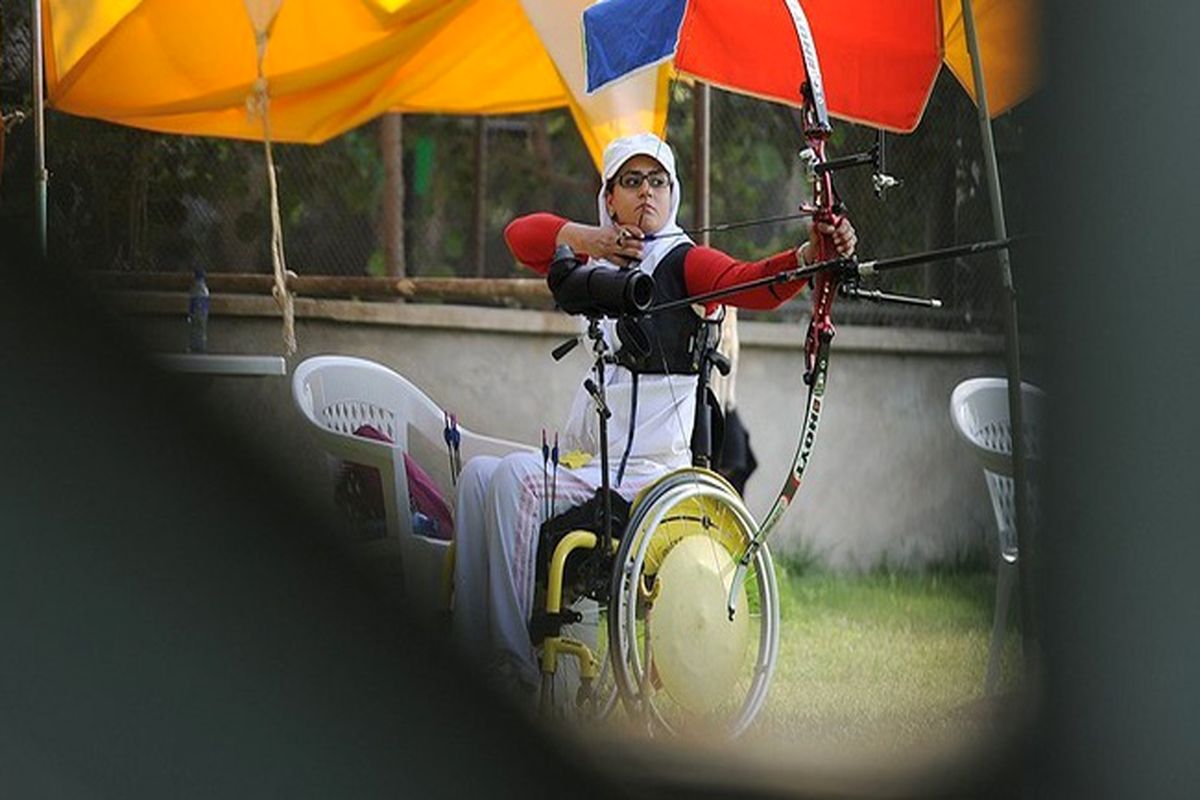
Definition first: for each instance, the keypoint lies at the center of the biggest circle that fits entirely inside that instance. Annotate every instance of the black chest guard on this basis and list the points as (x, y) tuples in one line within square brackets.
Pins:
[(663, 343)]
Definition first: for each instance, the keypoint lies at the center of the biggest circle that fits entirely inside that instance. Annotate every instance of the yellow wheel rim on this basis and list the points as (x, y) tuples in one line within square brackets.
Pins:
[(696, 515)]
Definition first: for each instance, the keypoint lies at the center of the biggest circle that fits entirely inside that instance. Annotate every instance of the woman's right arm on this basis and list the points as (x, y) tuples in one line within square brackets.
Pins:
[(532, 240)]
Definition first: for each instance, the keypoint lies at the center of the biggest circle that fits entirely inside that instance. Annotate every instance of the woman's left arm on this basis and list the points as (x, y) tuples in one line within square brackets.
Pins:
[(707, 269)]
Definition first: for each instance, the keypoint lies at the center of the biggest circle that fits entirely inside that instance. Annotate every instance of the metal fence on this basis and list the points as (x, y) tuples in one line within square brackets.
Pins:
[(941, 201), (125, 199)]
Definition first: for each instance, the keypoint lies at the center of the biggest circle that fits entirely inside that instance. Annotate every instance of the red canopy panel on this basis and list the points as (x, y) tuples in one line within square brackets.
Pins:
[(879, 58)]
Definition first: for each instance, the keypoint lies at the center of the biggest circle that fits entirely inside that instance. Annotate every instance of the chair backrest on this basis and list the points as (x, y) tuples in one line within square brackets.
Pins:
[(338, 395), (979, 409)]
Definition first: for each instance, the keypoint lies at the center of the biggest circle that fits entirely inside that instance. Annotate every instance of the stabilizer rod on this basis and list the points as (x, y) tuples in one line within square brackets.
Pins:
[(850, 266)]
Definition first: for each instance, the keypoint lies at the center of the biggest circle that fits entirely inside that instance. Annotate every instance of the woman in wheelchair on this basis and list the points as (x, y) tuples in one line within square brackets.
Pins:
[(650, 392)]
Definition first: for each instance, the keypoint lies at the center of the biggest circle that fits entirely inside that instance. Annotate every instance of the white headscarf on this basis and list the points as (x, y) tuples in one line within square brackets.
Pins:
[(670, 235)]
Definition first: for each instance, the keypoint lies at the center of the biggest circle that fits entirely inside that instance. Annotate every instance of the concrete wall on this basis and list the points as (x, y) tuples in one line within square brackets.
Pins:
[(889, 483)]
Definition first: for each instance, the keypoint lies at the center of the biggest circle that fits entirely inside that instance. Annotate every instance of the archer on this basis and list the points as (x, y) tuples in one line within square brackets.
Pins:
[(651, 385)]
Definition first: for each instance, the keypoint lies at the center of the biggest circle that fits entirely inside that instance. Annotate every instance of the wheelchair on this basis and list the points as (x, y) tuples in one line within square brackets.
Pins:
[(668, 651), (642, 621)]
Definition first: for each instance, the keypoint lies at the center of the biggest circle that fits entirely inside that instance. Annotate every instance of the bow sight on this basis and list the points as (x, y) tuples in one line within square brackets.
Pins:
[(875, 158)]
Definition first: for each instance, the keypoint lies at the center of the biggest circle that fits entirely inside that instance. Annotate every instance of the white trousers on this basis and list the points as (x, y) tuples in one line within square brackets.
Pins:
[(496, 539)]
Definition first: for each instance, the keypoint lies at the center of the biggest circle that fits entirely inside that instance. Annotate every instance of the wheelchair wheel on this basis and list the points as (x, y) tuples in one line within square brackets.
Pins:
[(679, 662)]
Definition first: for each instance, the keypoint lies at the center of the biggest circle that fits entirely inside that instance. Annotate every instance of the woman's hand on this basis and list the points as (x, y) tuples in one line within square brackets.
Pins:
[(620, 244), (844, 241)]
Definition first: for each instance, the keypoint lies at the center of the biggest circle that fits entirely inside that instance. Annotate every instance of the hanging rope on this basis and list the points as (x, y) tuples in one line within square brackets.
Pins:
[(258, 104)]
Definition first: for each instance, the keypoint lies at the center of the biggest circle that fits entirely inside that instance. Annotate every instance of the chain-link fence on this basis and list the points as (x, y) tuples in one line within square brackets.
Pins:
[(442, 191), (941, 201)]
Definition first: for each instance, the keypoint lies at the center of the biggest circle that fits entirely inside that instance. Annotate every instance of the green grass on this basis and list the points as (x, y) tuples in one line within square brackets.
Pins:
[(884, 655)]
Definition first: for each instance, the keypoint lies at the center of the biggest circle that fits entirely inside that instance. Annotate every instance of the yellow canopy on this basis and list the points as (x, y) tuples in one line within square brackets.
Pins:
[(1007, 31), (188, 66)]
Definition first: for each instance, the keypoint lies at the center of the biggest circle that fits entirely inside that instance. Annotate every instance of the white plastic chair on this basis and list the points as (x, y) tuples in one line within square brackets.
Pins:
[(339, 394), (979, 408)]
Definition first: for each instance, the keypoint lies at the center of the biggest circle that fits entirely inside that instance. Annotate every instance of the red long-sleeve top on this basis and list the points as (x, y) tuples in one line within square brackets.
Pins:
[(531, 239)]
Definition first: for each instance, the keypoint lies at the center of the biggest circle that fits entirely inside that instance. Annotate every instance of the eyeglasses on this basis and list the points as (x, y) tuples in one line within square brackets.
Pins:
[(633, 179)]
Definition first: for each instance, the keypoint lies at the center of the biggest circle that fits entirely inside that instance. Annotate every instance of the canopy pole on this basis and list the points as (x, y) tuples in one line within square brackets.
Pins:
[(702, 113), (40, 177), (1025, 543)]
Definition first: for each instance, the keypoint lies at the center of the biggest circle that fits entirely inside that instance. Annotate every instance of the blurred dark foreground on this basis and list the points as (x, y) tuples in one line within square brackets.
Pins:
[(171, 625)]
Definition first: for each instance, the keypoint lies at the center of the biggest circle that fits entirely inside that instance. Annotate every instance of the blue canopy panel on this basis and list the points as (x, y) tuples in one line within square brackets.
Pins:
[(622, 36)]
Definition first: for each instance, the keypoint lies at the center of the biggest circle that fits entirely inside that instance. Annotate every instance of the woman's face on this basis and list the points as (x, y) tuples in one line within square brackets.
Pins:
[(640, 194)]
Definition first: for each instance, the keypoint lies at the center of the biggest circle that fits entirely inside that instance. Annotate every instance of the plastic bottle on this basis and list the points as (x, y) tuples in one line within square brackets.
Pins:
[(198, 314)]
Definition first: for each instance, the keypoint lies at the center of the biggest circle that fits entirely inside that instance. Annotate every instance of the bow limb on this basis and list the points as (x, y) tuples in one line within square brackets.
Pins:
[(825, 210)]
